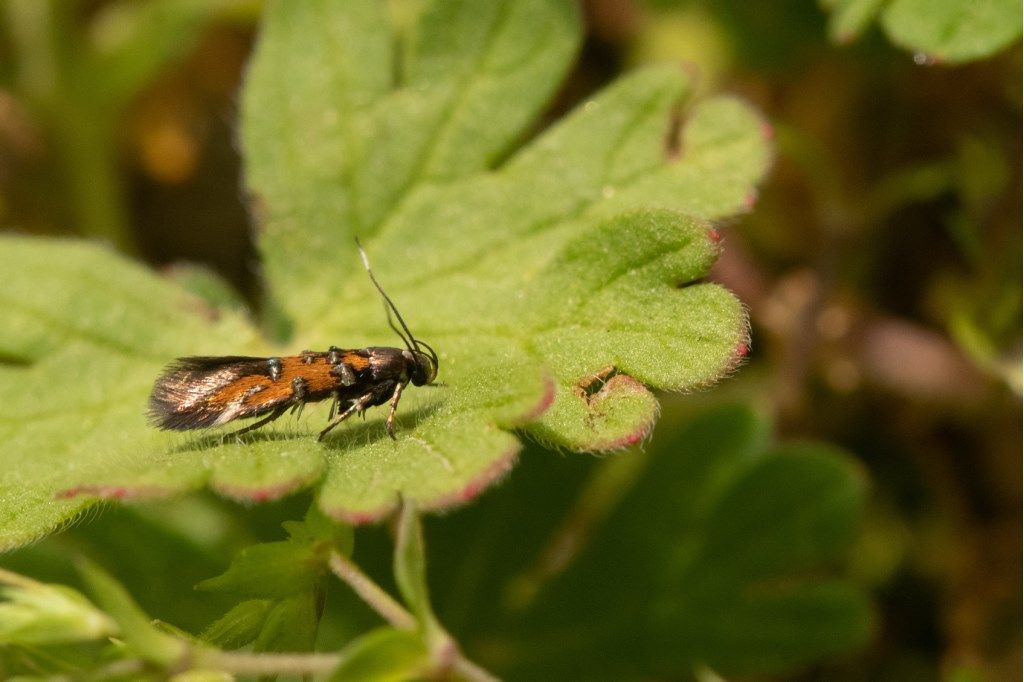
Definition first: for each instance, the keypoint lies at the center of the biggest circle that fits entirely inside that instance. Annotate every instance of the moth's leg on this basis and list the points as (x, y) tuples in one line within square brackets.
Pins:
[(395, 397), (278, 411), (358, 405), (298, 395)]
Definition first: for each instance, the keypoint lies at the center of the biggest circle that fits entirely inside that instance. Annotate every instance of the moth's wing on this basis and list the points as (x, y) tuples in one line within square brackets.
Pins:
[(196, 392)]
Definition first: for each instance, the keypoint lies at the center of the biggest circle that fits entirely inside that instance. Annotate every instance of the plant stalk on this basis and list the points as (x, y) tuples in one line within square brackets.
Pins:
[(379, 600), (244, 663)]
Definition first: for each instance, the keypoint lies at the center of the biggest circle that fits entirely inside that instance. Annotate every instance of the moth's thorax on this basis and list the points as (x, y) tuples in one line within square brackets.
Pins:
[(388, 363)]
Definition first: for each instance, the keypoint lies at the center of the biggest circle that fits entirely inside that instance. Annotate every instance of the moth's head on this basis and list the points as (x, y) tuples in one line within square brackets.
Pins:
[(420, 364), (422, 367)]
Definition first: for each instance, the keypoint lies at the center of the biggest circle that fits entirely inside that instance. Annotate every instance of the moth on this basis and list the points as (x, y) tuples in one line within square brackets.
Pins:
[(206, 391)]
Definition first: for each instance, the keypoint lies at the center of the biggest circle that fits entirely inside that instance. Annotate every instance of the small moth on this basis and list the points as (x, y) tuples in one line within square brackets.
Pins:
[(200, 392)]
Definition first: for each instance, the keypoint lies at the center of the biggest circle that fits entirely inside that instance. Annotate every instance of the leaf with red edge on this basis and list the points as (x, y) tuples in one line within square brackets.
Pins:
[(557, 278)]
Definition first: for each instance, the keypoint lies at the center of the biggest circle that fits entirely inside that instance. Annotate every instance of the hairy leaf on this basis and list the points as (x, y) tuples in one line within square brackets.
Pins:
[(240, 625), (283, 584), (557, 273), (34, 614)]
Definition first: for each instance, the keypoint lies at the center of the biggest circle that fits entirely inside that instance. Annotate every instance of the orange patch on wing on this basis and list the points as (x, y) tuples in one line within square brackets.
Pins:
[(275, 393), (258, 391), (237, 388), (317, 374)]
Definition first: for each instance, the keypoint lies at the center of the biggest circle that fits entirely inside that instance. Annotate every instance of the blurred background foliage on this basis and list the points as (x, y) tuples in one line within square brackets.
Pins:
[(881, 265)]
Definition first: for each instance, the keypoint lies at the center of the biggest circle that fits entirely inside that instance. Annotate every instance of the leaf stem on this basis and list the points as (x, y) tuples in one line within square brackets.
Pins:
[(379, 600), (397, 615), (244, 663), (469, 670), (116, 670)]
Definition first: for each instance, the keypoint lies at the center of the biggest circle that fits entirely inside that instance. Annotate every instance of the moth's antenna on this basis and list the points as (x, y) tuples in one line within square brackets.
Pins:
[(426, 345), (416, 342), (411, 340), (391, 323)]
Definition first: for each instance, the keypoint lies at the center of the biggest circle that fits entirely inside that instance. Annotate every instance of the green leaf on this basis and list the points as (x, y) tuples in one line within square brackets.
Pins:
[(35, 613), (288, 580), (953, 31), (273, 570), (291, 624), (715, 556), (240, 625), (850, 17), (135, 627), (322, 532), (383, 655), (946, 31), (85, 334), (557, 280), (269, 570)]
